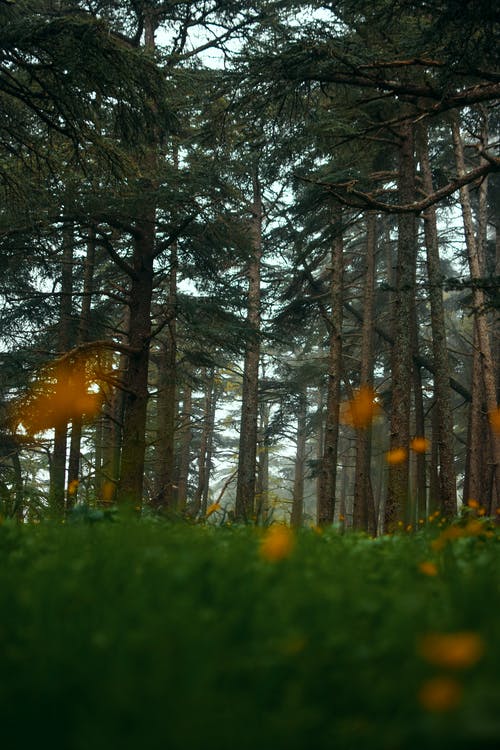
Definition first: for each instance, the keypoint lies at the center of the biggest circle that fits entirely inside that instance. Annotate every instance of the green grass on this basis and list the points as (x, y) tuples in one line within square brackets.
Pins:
[(142, 635)]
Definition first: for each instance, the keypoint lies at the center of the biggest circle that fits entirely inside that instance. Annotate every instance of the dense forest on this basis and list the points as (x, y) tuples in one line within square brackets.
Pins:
[(250, 260)]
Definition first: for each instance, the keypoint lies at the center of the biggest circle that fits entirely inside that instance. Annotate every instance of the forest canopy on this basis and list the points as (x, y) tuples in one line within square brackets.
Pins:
[(250, 259)]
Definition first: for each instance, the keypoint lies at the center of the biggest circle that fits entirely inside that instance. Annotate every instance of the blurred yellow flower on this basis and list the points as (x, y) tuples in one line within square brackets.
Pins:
[(396, 456), (72, 487), (473, 527), (108, 492), (213, 509), (473, 503), (452, 650), (277, 543), (420, 444), (448, 535), (64, 391), (494, 417), (361, 410), (440, 694), (428, 568)]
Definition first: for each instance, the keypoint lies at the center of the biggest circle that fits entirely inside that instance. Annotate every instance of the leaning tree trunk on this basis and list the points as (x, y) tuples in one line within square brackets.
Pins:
[(442, 398), (328, 466), (363, 503), (245, 486), (484, 344), (396, 507)]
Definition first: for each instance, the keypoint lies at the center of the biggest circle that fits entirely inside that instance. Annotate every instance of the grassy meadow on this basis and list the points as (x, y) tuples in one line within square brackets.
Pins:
[(140, 634)]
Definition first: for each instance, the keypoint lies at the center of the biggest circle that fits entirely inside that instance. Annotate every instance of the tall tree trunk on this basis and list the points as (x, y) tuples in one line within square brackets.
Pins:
[(396, 507), (300, 456), (328, 467), (130, 489), (167, 399), (83, 333), (58, 463), (442, 396), (477, 451), (245, 486), (262, 491), (167, 396), (184, 449), (204, 454), (483, 338), (363, 503)]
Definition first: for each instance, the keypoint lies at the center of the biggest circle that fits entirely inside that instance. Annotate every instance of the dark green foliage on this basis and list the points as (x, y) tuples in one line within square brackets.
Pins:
[(143, 635)]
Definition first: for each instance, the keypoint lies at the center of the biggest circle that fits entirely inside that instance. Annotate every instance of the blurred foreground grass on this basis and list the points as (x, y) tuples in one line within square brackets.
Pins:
[(148, 635)]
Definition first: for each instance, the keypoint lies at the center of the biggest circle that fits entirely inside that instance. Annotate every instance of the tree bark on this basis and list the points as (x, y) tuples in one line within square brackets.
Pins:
[(185, 449), (204, 458), (300, 456), (58, 463), (442, 397), (396, 507), (245, 486), (130, 489), (328, 467), (363, 502), (484, 344), (82, 335), (262, 486)]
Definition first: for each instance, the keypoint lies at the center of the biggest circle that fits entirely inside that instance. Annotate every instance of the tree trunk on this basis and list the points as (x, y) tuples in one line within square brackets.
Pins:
[(185, 449), (262, 487), (396, 507), (204, 455), (484, 344), (442, 396), (167, 400), (130, 490), (300, 456), (418, 500), (58, 463), (245, 487), (328, 468), (363, 503), (83, 333)]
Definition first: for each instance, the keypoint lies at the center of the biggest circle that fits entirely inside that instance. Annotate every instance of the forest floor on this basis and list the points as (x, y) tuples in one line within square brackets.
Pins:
[(127, 635)]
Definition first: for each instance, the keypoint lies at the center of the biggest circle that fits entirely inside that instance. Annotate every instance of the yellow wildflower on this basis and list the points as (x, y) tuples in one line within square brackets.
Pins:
[(396, 456), (440, 694), (361, 410), (473, 503), (473, 527), (276, 543), (108, 492), (494, 417), (72, 487), (213, 509), (428, 568), (452, 650), (420, 444)]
